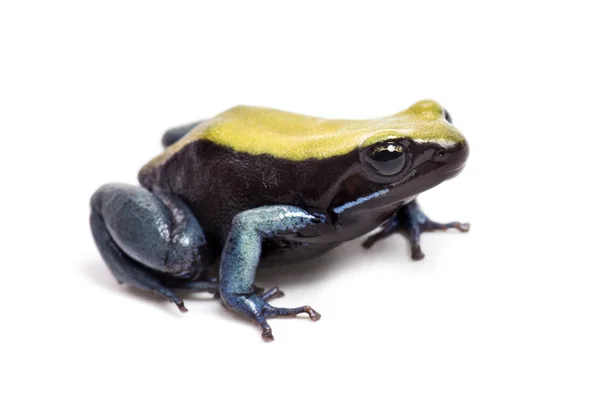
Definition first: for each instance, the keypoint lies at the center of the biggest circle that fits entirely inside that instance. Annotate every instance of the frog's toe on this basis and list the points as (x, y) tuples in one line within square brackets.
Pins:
[(463, 227), (267, 332), (382, 234), (415, 253), (283, 312), (181, 306), (270, 311), (430, 226), (256, 307)]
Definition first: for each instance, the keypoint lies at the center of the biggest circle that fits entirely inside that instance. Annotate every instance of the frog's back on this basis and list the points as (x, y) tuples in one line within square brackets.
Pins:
[(259, 130), (248, 157), (292, 136), (234, 162)]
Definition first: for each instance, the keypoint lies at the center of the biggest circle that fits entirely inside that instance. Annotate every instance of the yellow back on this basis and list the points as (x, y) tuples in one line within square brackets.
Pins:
[(258, 130)]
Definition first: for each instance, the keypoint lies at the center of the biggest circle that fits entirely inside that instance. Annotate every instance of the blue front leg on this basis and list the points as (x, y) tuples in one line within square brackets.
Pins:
[(241, 256), (411, 220)]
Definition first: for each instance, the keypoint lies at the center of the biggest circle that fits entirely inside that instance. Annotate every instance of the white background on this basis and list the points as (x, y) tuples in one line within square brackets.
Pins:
[(507, 312)]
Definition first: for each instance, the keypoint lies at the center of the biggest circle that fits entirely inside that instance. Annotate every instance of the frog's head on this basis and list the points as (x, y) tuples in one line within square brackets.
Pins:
[(414, 150)]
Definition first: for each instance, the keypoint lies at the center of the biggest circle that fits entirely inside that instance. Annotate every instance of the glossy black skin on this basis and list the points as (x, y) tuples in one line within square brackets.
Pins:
[(217, 183)]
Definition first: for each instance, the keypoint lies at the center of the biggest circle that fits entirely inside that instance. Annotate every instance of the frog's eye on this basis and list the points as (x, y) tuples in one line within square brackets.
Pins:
[(387, 158), (447, 116)]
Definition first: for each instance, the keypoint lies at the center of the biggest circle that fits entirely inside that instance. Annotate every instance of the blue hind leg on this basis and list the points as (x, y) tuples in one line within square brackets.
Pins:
[(150, 241)]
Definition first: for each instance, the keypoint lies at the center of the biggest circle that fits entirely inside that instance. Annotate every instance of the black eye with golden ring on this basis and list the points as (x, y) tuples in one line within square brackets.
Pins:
[(387, 158)]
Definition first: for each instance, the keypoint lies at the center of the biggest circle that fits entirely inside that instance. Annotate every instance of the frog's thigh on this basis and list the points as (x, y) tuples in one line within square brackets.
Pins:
[(242, 250), (157, 230), (139, 233)]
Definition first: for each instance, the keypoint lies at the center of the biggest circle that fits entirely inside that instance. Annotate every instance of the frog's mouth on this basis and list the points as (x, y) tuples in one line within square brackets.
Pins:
[(454, 172)]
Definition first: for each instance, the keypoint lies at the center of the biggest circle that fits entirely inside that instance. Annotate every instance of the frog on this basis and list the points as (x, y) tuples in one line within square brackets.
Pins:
[(255, 187)]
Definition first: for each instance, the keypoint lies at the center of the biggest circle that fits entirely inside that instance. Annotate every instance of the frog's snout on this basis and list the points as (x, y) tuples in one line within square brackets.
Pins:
[(454, 158)]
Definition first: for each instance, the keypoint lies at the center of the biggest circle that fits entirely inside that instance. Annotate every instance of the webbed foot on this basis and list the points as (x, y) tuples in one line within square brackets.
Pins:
[(256, 307), (411, 219), (429, 226)]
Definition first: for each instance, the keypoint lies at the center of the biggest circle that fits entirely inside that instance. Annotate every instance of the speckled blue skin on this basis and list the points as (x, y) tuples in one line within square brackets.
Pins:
[(142, 235), (150, 239), (241, 256)]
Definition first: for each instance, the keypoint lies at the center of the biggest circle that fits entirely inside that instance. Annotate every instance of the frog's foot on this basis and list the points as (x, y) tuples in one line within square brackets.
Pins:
[(410, 219), (256, 307), (414, 234)]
